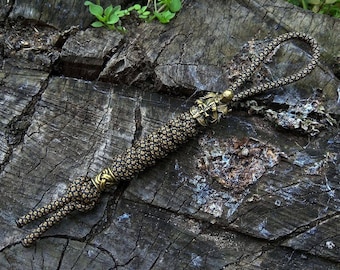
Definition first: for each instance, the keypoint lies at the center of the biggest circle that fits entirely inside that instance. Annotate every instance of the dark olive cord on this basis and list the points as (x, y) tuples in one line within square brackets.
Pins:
[(84, 193)]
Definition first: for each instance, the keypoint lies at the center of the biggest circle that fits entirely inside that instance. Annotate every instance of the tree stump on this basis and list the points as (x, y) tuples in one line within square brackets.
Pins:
[(260, 189)]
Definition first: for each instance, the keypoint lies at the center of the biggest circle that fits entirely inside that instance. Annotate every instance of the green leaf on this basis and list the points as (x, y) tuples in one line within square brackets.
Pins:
[(142, 10), (87, 3), (131, 8), (116, 9), (143, 17), (169, 15), (137, 7), (113, 19), (120, 13), (165, 16), (160, 17), (108, 11), (175, 5), (97, 24), (314, 2), (96, 10), (164, 2)]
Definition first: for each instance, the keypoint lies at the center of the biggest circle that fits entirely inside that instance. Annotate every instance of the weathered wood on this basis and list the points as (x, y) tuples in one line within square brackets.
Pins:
[(244, 195), (84, 54), (197, 54), (59, 14)]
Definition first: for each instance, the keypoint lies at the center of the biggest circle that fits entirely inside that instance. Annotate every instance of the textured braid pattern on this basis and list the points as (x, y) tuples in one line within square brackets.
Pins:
[(43, 211), (81, 195), (153, 147), (48, 223), (84, 193), (280, 82)]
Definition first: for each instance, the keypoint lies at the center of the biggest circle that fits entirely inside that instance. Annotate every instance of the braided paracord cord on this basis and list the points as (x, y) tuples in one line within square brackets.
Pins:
[(84, 193), (283, 81)]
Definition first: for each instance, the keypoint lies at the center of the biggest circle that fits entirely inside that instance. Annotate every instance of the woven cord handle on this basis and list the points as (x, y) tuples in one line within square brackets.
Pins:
[(207, 110), (84, 193)]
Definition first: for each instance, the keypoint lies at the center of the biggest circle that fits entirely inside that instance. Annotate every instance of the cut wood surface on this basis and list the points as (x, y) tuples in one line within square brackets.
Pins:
[(258, 190)]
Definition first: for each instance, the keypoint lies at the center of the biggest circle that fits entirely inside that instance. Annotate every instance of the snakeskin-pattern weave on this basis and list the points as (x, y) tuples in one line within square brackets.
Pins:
[(146, 151), (84, 192), (81, 195), (283, 81)]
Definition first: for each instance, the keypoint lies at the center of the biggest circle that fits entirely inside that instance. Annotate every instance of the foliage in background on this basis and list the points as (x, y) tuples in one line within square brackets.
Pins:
[(329, 7), (110, 17)]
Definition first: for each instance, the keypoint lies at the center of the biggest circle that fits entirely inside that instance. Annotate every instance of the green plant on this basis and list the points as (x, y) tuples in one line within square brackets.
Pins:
[(163, 10), (142, 11), (329, 7), (107, 17)]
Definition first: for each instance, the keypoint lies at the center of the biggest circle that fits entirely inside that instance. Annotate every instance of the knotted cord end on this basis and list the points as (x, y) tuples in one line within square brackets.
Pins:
[(81, 195)]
